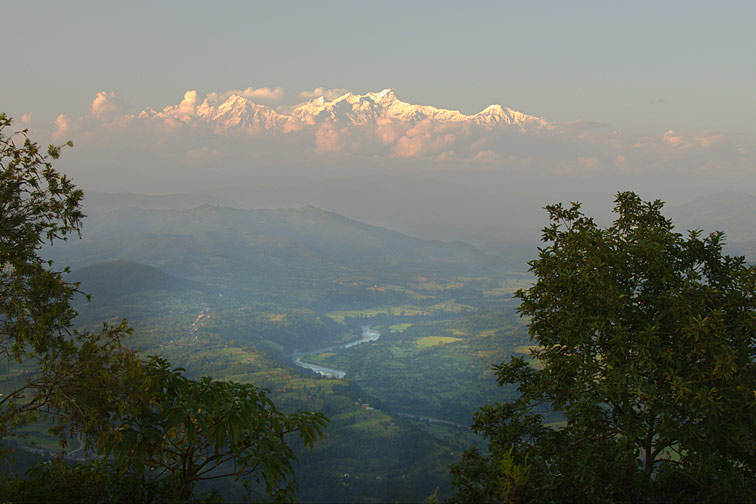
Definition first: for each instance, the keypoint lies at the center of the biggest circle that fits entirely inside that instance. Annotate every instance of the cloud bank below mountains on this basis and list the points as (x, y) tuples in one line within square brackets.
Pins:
[(354, 153), (380, 125)]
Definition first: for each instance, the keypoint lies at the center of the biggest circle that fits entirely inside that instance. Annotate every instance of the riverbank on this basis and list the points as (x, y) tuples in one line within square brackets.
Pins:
[(368, 335)]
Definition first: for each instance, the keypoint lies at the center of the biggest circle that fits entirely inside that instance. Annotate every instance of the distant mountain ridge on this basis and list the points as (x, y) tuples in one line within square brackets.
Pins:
[(191, 242), (376, 108), (732, 212), (322, 230)]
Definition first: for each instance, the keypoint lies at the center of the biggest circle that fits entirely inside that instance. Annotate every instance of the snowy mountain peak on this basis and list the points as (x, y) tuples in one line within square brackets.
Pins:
[(495, 115), (231, 110), (239, 112), (385, 95), (492, 110)]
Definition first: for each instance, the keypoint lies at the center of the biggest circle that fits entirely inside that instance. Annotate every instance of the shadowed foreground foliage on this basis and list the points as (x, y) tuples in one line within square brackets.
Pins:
[(156, 433), (645, 342)]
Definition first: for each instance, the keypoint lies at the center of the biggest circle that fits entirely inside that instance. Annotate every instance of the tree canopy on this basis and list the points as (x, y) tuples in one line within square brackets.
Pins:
[(158, 431), (207, 429), (644, 340), (39, 205)]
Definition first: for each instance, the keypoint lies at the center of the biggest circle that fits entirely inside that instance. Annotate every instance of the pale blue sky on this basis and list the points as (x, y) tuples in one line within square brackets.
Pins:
[(644, 67)]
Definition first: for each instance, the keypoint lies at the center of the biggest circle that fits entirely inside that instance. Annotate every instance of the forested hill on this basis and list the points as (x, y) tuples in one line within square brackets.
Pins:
[(113, 279), (308, 233)]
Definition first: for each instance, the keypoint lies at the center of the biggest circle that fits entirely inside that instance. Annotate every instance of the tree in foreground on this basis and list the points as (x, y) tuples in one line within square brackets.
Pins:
[(644, 339), (175, 433), (191, 431), (159, 432), (38, 205)]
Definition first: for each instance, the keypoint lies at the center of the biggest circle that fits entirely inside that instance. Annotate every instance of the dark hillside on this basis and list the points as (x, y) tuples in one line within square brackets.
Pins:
[(111, 280), (326, 232)]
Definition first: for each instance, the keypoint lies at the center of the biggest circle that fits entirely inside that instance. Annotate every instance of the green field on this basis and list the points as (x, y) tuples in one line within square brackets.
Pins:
[(442, 328), (399, 327), (446, 307), (431, 341)]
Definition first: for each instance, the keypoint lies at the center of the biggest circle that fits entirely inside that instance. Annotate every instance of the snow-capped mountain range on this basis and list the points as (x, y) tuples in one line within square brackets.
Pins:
[(236, 111)]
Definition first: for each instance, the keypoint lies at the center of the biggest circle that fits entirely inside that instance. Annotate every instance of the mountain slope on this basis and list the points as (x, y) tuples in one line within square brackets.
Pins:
[(311, 231), (730, 211), (109, 280)]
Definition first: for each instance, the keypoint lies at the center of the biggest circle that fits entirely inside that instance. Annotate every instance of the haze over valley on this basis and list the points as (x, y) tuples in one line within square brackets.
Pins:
[(338, 202)]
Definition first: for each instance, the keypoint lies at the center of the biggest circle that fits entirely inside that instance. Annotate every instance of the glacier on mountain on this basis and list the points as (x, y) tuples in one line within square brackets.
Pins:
[(349, 109)]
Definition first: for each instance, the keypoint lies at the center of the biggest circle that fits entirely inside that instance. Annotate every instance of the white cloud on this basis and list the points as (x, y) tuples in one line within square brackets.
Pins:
[(26, 118), (703, 140), (330, 139), (63, 125), (328, 94), (173, 116), (387, 132), (187, 133), (674, 139), (105, 106), (488, 156), (259, 95), (426, 139), (709, 139), (189, 103), (263, 94), (446, 156)]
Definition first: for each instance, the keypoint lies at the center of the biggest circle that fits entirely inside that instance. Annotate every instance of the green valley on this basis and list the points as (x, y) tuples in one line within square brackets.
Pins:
[(236, 294)]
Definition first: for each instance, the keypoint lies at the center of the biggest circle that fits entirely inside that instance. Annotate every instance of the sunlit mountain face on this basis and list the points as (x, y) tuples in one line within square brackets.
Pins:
[(373, 124), (263, 126), (232, 110), (425, 170)]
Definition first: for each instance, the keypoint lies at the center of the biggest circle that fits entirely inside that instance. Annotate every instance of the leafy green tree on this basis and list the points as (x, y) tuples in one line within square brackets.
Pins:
[(38, 205), (190, 431), (62, 482), (159, 432), (645, 342)]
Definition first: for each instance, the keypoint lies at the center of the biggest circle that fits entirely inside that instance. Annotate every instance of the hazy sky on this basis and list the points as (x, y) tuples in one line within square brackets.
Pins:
[(659, 96), (681, 65)]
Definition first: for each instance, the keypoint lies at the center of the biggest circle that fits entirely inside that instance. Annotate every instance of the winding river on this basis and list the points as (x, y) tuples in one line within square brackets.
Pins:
[(298, 357), (367, 336)]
